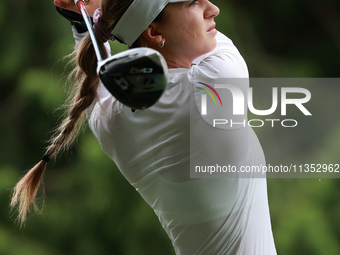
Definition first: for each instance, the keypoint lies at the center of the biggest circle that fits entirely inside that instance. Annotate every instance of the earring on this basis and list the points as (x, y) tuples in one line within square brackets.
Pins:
[(162, 44)]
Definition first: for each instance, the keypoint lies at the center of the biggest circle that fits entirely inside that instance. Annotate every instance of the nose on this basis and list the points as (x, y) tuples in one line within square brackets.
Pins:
[(211, 10)]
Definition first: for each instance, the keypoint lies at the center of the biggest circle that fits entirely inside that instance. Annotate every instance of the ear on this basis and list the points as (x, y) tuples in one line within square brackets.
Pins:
[(153, 34)]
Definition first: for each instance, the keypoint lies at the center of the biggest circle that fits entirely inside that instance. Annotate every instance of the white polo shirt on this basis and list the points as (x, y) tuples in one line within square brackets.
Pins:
[(151, 148)]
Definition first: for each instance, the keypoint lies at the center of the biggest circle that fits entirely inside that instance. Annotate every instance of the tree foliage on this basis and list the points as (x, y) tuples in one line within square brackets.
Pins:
[(90, 208)]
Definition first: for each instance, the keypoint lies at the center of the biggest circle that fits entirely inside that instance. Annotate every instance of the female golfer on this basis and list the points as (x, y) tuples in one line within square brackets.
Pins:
[(151, 147)]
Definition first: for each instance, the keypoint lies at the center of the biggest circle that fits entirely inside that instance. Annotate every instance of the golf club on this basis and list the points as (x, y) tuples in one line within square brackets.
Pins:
[(135, 77)]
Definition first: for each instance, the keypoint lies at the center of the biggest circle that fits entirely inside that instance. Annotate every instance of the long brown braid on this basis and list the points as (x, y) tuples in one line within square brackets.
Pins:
[(80, 98)]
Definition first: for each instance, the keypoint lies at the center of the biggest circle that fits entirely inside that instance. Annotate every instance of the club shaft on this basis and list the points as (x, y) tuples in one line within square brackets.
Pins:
[(87, 20)]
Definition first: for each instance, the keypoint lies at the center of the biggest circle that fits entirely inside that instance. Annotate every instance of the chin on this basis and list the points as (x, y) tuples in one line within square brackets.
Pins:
[(205, 48), (214, 44), (211, 46)]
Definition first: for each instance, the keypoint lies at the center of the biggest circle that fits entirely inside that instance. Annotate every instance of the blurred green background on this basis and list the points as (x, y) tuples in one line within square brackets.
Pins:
[(90, 208)]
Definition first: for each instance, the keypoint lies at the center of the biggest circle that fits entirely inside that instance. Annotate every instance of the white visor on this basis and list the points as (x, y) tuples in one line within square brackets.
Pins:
[(137, 18)]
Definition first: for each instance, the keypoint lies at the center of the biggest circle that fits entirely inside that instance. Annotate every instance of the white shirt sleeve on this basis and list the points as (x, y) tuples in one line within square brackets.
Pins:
[(78, 36)]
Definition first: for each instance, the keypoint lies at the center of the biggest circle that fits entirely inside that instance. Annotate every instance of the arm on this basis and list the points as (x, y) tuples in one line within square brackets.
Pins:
[(75, 18), (68, 10), (91, 5)]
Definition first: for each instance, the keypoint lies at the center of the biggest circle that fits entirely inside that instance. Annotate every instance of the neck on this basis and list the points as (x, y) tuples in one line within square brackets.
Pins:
[(175, 61)]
